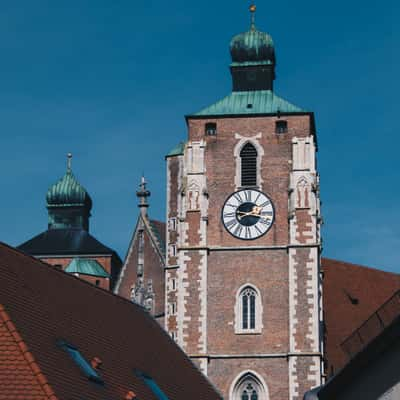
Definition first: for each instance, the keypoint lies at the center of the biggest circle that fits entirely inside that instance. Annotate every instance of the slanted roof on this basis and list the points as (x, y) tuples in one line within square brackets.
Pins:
[(249, 103), (64, 242), (177, 150), (86, 266), (158, 230), (49, 306), (351, 293), (29, 382)]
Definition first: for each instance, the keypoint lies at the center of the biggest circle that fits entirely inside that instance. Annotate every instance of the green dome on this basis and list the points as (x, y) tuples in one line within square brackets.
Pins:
[(253, 46), (68, 192)]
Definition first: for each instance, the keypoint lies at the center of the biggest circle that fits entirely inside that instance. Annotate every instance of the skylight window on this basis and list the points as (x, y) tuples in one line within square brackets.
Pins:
[(152, 385), (82, 363)]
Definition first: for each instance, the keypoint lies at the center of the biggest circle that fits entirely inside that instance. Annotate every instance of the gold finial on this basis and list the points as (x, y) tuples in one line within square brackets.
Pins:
[(253, 9), (69, 162)]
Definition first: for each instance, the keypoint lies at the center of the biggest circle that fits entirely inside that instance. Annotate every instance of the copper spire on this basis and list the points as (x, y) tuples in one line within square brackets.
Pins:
[(252, 10)]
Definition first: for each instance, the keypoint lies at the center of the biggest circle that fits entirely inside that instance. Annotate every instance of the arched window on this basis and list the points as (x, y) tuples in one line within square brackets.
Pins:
[(248, 310), (249, 386), (248, 157)]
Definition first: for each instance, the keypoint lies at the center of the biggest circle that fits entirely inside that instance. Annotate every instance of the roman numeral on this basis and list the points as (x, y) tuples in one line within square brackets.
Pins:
[(266, 203), (258, 196), (238, 197), (247, 233), (247, 195), (265, 221), (231, 223), (258, 229), (238, 230), (229, 214), (269, 213)]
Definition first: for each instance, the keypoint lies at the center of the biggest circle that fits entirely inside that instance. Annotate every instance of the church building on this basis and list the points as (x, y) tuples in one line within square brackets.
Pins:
[(234, 275), (243, 258), (67, 243)]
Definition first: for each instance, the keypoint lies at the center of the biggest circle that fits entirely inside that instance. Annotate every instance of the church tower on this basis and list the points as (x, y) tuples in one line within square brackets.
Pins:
[(243, 280)]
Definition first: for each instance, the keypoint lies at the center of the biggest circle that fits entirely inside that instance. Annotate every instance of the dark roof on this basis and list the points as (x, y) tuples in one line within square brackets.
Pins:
[(64, 242), (351, 293), (366, 366), (47, 305), (158, 229)]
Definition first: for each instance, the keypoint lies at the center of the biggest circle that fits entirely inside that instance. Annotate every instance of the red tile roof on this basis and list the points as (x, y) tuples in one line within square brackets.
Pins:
[(47, 305), (20, 375), (351, 294)]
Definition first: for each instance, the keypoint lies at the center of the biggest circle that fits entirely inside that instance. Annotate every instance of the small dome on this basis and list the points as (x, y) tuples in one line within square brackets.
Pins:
[(68, 192), (252, 46)]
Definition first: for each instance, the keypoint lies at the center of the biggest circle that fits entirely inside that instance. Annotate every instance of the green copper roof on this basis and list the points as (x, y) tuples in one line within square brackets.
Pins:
[(86, 267), (177, 150), (252, 45), (68, 192), (251, 102)]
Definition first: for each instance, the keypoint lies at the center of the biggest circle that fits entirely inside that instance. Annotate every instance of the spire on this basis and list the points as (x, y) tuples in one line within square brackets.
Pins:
[(143, 194), (252, 10), (69, 162)]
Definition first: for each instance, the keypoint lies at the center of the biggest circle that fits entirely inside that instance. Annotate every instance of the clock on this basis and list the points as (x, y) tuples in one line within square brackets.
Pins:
[(248, 214)]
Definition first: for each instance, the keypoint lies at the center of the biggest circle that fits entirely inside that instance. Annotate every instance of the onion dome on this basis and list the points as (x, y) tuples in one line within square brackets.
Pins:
[(68, 191), (253, 46)]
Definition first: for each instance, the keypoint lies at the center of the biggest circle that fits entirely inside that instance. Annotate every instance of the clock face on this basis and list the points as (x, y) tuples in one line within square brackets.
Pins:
[(248, 214)]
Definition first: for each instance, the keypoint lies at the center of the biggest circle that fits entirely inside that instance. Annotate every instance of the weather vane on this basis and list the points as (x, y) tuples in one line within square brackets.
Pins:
[(253, 9)]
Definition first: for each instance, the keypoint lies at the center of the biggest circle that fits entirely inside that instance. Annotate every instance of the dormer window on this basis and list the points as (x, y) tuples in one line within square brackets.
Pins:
[(211, 129), (81, 362), (152, 385), (281, 126)]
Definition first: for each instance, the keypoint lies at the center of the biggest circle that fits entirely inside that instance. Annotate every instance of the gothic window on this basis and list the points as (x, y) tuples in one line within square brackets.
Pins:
[(249, 392), (248, 308), (248, 311), (249, 387), (248, 157)]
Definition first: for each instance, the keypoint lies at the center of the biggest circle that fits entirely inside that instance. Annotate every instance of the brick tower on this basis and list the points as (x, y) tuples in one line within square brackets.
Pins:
[(243, 284)]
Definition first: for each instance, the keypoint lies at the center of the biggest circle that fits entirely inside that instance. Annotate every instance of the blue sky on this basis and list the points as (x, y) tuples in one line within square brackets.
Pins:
[(111, 81)]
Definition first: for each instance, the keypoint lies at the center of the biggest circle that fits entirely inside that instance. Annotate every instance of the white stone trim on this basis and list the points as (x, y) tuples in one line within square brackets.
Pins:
[(243, 140)]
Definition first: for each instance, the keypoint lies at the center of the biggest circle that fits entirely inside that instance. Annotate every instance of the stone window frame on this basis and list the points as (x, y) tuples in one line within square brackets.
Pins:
[(172, 223), (172, 284), (243, 379), (172, 308), (239, 330), (173, 250), (238, 161)]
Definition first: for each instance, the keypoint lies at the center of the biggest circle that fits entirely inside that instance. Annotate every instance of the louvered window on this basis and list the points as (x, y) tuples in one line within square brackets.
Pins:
[(248, 157)]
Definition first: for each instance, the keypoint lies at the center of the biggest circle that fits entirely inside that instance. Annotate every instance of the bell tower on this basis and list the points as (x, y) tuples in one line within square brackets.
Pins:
[(243, 280)]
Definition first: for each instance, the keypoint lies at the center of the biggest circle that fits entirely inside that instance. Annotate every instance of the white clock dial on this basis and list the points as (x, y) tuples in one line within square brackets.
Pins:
[(248, 214)]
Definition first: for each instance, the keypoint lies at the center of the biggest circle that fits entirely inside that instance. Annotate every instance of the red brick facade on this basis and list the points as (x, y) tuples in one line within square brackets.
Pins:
[(142, 275), (210, 265)]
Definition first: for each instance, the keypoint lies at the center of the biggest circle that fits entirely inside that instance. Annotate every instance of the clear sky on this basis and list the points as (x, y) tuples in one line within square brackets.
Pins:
[(111, 81)]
